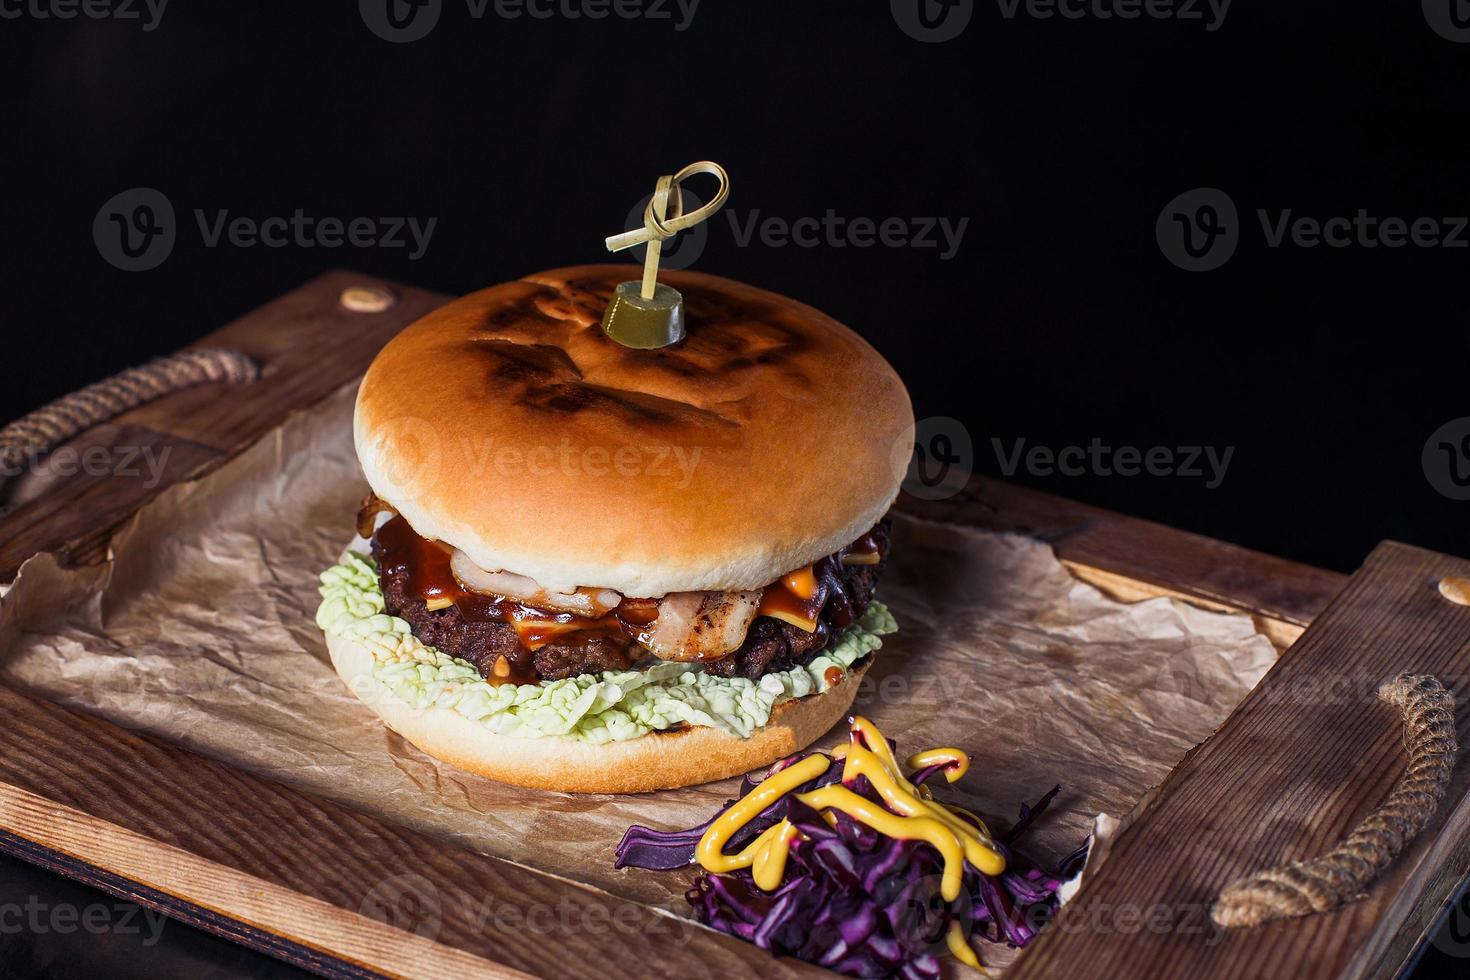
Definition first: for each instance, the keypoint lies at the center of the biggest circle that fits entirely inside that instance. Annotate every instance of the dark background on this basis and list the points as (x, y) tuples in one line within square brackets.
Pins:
[(1060, 140), (1059, 320)]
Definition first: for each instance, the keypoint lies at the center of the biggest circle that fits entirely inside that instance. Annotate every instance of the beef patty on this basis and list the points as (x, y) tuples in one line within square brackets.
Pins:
[(482, 642), (770, 645)]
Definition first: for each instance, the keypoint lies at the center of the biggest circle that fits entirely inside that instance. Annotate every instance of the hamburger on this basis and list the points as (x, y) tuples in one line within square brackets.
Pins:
[(588, 568)]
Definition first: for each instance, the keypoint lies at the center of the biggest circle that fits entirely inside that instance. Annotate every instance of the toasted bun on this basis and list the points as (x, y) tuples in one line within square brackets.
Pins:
[(655, 761), (509, 425)]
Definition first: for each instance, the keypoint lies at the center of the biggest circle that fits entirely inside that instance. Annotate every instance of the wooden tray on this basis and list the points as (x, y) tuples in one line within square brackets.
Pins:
[(1302, 759)]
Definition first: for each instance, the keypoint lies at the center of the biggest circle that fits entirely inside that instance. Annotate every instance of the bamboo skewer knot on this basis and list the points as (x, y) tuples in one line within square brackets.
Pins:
[(664, 217)]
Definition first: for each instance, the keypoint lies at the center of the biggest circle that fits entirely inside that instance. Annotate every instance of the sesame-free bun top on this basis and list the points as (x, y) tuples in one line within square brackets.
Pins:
[(507, 424)]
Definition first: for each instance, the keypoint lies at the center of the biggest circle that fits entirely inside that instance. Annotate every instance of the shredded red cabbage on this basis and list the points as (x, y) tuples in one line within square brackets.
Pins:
[(854, 900)]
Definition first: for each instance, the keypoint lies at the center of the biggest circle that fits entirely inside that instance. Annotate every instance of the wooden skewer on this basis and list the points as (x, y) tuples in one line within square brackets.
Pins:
[(661, 221)]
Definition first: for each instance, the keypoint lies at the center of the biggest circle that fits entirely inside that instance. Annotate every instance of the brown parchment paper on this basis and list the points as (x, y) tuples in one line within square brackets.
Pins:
[(201, 631)]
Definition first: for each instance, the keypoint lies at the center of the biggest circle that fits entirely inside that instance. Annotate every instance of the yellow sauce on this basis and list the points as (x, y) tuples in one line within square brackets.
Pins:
[(955, 762), (960, 947), (711, 851), (907, 816)]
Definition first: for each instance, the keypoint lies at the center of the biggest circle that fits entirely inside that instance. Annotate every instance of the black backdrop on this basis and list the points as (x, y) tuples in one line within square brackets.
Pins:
[(1060, 139), (1059, 320)]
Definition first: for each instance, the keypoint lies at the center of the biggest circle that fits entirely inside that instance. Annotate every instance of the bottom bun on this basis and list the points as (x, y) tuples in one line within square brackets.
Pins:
[(658, 760)]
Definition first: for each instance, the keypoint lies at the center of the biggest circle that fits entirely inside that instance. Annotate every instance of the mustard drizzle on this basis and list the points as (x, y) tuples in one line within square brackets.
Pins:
[(917, 817)]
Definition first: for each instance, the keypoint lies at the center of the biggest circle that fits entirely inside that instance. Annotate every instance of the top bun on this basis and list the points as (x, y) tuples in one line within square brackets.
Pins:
[(507, 424)]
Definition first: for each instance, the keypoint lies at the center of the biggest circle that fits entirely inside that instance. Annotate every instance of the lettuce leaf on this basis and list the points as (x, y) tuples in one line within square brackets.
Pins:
[(611, 706)]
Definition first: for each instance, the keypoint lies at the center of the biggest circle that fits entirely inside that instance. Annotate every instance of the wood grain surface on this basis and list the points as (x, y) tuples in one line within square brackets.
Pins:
[(207, 843), (307, 344), (201, 841), (1197, 567), (1305, 756)]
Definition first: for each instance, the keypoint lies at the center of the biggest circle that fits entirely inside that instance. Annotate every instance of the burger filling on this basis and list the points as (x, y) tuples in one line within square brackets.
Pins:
[(514, 631)]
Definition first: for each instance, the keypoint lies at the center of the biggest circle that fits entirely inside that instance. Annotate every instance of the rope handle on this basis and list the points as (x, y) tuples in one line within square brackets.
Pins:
[(51, 425), (1343, 874)]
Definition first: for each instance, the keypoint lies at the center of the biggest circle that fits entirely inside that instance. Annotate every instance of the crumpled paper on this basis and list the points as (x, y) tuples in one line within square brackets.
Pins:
[(200, 631)]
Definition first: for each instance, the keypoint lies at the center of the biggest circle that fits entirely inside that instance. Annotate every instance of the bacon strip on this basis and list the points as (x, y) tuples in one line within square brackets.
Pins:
[(372, 506), (700, 625)]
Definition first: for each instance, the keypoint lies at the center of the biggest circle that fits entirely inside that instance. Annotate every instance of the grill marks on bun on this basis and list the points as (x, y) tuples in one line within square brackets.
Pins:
[(509, 426), (771, 438)]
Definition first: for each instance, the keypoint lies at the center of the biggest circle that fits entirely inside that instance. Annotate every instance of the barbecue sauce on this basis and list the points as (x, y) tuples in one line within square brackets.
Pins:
[(780, 601), (425, 565)]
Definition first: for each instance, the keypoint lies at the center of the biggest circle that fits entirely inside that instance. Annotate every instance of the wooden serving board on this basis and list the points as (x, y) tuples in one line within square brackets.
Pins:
[(1300, 761)]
